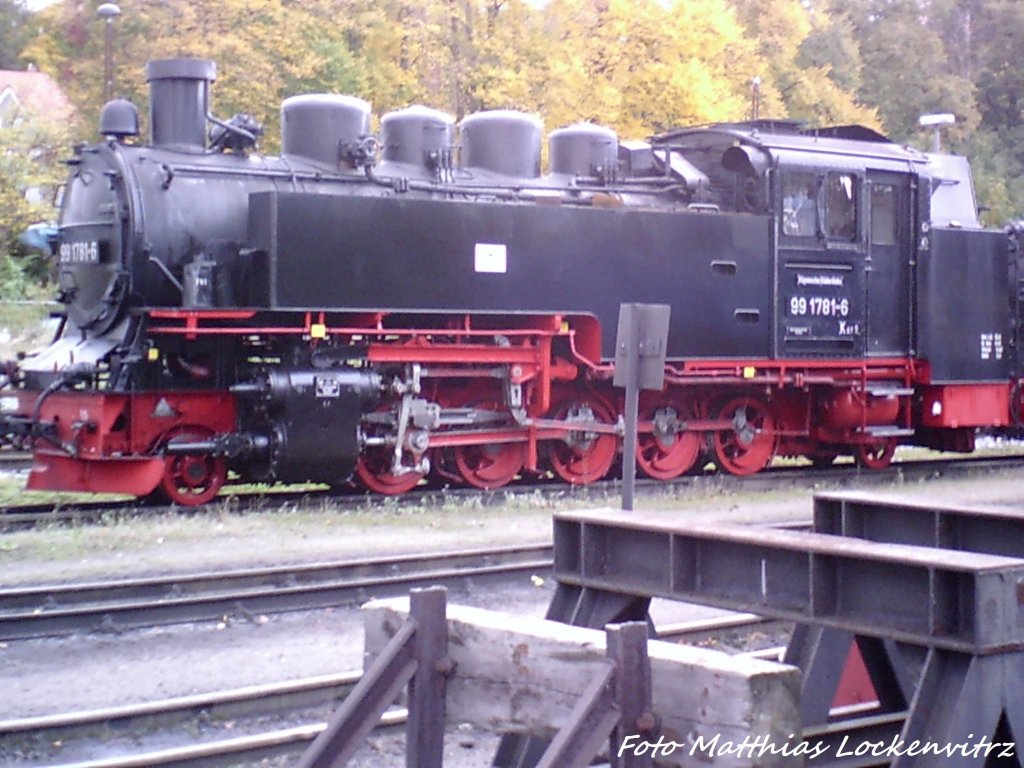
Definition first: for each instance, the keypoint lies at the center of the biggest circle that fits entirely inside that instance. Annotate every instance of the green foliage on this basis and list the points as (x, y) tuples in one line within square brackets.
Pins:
[(993, 187), (30, 170), (265, 51), (916, 79), (13, 33), (831, 45)]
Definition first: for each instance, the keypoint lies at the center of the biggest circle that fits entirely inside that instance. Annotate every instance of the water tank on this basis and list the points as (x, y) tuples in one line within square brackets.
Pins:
[(179, 93), (319, 127), (417, 135), (583, 149), (502, 141)]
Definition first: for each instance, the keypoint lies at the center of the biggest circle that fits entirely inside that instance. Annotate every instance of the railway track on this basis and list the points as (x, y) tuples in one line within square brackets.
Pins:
[(116, 606), (23, 516), (304, 699), (15, 461), (260, 719), (277, 722)]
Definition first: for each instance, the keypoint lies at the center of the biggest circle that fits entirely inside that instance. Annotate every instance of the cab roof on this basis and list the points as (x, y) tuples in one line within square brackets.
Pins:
[(791, 144)]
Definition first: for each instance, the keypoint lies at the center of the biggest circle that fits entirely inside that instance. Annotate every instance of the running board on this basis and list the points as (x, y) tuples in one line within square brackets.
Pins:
[(880, 390), (888, 430)]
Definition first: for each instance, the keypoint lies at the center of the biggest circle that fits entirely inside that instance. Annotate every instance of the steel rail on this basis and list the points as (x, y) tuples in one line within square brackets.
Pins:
[(60, 609), (15, 460), (174, 712)]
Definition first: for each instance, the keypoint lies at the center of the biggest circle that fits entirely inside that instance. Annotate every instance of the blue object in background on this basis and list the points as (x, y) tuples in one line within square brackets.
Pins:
[(42, 237)]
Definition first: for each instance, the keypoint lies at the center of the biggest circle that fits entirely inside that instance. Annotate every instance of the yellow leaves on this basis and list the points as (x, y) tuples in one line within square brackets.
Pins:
[(792, 87), (639, 66), (818, 100), (649, 65)]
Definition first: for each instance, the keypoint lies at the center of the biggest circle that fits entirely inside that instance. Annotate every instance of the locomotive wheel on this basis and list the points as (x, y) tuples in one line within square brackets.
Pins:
[(876, 455), (374, 466), (374, 470), (583, 457), (665, 454), (490, 466), (192, 479), (749, 445)]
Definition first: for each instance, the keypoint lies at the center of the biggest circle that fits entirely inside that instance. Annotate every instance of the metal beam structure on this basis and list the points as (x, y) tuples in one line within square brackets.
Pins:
[(930, 594), (992, 530), (958, 601)]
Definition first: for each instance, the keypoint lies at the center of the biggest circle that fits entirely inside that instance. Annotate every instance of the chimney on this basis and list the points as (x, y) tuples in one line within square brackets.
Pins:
[(179, 94)]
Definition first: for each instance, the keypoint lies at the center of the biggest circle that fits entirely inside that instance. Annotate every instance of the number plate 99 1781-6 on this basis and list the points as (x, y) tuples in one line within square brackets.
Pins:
[(80, 252)]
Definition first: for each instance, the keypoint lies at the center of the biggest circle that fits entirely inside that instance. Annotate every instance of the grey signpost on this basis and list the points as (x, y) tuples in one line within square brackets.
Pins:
[(640, 351)]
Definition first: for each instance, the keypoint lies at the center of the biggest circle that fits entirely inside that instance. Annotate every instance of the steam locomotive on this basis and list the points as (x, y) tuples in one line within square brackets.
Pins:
[(388, 307)]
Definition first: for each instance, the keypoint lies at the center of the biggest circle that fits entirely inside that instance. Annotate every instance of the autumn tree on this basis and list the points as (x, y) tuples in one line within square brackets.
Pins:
[(806, 79), (13, 33), (265, 50), (639, 66), (31, 152), (643, 67)]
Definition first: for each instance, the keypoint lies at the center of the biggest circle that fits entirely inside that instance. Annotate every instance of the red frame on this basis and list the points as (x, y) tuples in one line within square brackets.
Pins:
[(114, 438), (109, 442)]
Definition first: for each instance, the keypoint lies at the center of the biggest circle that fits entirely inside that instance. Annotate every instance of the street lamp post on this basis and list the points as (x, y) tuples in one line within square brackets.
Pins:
[(936, 121), (108, 11)]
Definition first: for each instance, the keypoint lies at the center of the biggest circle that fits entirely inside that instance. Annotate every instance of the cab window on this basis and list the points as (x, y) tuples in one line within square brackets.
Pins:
[(841, 206), (883, 214), (799, 204)]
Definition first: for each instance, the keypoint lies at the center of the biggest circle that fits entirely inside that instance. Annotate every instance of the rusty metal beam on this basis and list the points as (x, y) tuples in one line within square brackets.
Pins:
[(995, 531), (616, 704), (424, 734), (954, 600)]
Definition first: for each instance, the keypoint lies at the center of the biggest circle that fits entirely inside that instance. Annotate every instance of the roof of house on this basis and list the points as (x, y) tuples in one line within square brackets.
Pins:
[(33, 91)]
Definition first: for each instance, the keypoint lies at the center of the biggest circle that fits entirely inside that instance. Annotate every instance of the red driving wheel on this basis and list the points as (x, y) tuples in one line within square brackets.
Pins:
[(191, 479), (664, 453), (876, 455), (749, 445), (583, 456)]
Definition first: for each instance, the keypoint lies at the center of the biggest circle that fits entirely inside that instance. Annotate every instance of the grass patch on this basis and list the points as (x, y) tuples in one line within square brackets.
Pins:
[(224, 535), (25, 326), (221, 536), (20, 316), (13, 494)]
